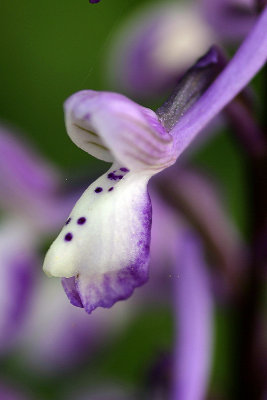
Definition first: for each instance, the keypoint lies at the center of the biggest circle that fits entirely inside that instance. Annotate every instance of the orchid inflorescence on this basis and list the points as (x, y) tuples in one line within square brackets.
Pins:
[(109, 239)]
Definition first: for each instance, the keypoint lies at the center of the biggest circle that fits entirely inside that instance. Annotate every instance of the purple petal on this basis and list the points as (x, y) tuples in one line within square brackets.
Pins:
[(250, 57), (194, 322)]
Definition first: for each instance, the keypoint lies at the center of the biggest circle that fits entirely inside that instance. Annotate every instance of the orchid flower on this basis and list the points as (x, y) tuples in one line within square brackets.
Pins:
[(102, 252)]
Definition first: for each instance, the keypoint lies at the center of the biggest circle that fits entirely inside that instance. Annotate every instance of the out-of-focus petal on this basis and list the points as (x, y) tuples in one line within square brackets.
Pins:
[(231, 19), (23, 175), (250, 57), (194, 315), (198, 199), (112, 127), (57, 336), (17, 262), (29, 186), (12, 392), (156, 46)]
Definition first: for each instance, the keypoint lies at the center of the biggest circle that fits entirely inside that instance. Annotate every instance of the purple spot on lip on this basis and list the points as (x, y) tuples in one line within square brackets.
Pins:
[(68, 237), (81, 220), (68, 221), (110, 189), (123, 169), (114, 177), (98, 189)]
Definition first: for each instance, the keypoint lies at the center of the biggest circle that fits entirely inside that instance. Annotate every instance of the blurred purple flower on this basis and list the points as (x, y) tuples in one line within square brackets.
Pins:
[(230, 19), (57, 336), (152, 49), (104, 248), (30, 210), (17, 262), (34, 316), (10, 391)]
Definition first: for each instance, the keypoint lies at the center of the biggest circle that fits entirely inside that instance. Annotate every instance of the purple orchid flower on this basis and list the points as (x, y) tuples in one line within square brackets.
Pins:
[(103, 250), (156, 46)]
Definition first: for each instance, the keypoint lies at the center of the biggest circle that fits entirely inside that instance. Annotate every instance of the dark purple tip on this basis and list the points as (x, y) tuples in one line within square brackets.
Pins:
[(68, 221), (98, 189), (110, 189), (123, 169), (68, 237), (81, 220)]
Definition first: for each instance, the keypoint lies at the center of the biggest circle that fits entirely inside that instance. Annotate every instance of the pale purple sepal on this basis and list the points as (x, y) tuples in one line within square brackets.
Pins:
[(194, 313), (112, 127), (250, 57)]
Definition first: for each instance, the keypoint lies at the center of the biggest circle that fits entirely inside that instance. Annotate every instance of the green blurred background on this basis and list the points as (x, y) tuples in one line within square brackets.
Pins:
[(49, 50)]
